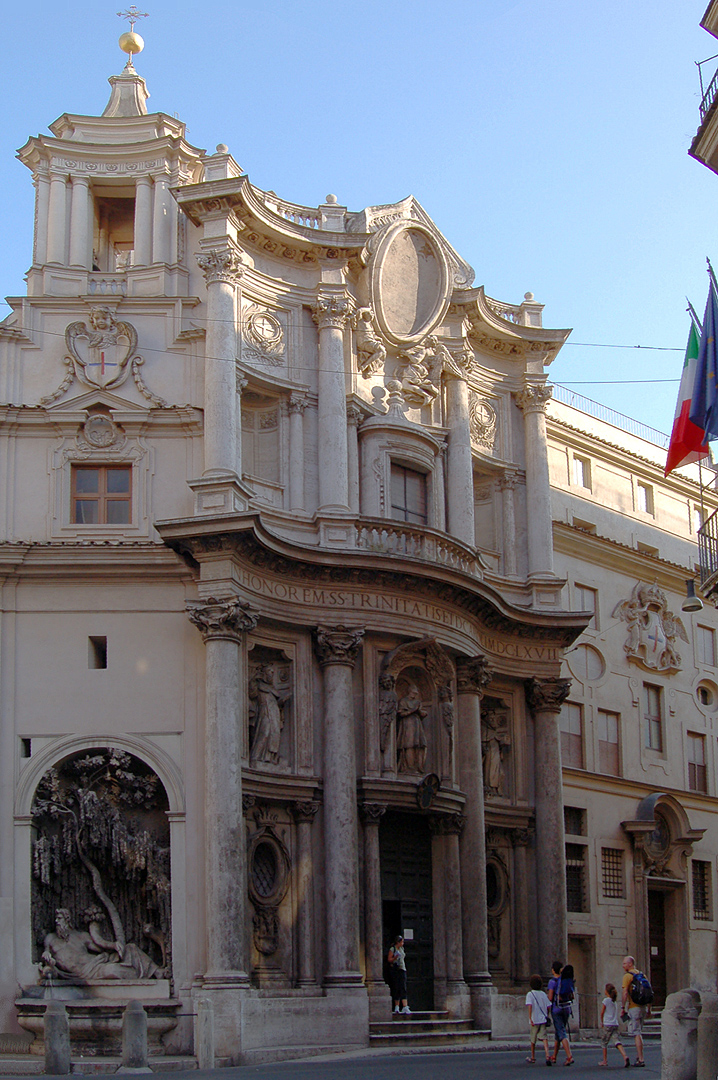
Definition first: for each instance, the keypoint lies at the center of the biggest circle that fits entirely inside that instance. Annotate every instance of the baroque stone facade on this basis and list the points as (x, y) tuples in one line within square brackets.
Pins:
[(280, 563)]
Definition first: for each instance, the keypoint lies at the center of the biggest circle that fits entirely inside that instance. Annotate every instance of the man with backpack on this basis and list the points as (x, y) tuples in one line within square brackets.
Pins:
[(636, 996)]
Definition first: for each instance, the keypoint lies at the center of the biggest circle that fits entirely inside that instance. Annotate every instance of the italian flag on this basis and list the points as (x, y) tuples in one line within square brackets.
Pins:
[(688, 441)]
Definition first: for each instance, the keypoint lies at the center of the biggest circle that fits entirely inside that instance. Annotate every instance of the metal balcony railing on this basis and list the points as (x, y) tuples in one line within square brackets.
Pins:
[(709, 96), (708, 547)]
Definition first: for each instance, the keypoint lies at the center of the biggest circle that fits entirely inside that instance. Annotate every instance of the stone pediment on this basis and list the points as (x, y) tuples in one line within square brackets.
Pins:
[(91, 399)]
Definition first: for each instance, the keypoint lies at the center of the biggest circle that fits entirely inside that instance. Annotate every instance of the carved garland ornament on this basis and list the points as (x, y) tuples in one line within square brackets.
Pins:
[(482, 421), (263, 336)]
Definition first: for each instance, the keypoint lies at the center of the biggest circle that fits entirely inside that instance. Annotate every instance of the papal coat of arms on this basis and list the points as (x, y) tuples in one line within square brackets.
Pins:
[(102, 351), (652, 629)]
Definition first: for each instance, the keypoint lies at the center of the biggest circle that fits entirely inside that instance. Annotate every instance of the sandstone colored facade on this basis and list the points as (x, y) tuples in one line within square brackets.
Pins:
[(292, 556)]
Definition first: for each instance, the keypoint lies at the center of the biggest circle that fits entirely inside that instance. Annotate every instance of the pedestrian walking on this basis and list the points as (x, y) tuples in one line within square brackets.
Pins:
[(539, 1008), (609, 1025)]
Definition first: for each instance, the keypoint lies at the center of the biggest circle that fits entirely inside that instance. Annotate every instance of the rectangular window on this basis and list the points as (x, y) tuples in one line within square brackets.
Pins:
[(696, 747), (408, 495), (644, 498), (608, 756), (571, 724), (97, 652), (653, 717), (587, 600), (574, 820), (576, 892), (582, 472), (101, 494), (702, 899), (706, 640), (612, 872), (698, 517)]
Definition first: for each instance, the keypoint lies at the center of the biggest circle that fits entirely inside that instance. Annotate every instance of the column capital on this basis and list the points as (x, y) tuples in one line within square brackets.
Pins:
[(533, 398), (337, 644), (547, 695), (354, 416), (297, 403), (333, 310), (447, 824), (221, 620), (372, 813), (509, 481), (221, 264), (473, 675), (305, 810)]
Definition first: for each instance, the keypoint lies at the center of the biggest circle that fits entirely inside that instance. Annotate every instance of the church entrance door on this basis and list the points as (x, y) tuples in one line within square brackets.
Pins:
[(657, 944), (406, 892)]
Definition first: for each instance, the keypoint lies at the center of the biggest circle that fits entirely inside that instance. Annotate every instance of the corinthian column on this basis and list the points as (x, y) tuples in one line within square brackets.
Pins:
[(222, 624), (532, 401), (473, 676), (372, 813), (143, 221), (80, 222), (297, 405), (57, 219), (331, 313), (337, 649), (460, 474), (304, 814), (222, 269), (508, 483), (545, 698)]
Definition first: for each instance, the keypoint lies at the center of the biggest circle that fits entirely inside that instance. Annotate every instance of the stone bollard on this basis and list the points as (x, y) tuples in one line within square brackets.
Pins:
[(679, 1036), (204, 1034), (134, 1039), (708, 1038), (57, 1039)]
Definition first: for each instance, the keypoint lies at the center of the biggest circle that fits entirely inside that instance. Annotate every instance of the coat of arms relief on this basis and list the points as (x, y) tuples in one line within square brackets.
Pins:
[(652, 629)]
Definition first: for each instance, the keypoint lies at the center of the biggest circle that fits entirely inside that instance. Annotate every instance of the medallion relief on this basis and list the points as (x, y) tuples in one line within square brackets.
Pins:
[(263, 337), (409, 283)]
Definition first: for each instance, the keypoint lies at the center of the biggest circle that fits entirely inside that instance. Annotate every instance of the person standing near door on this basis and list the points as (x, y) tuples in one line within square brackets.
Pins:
[(636, 1013), (397, 975)]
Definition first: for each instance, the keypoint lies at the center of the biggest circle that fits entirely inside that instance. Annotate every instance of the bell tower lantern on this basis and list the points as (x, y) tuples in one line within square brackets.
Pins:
[(105, 217)]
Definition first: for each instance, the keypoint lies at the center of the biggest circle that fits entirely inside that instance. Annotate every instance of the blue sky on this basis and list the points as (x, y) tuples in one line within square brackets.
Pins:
[(548, 141)]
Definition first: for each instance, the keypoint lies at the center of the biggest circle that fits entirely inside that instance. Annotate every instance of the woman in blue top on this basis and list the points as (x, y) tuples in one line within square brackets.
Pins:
[(561, 986)]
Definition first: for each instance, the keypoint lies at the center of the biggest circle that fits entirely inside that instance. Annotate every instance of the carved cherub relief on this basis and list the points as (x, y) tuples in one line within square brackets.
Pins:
[(652, 629)]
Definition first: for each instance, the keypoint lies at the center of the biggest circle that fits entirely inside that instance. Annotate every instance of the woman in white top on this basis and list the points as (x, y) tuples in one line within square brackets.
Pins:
[(609, 1025)]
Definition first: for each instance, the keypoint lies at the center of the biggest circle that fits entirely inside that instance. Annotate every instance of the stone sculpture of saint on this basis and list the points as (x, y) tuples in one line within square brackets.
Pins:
[(268, 719), (494, 740), (411, 736), (388, 703), (83, 954)]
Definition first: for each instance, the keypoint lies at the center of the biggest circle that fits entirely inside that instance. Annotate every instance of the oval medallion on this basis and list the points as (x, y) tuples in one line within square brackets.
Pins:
[(410, 283)]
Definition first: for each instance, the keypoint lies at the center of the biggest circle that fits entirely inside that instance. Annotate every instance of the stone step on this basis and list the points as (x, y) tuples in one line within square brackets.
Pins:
[(411, 1024), (34, 1065), (439, 1037)]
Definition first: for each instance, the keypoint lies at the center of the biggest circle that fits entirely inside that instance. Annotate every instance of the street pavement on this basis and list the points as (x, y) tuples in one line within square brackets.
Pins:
[(452, 1065)]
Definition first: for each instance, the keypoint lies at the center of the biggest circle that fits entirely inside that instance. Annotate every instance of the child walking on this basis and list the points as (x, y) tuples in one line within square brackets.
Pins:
[(609, 1025), (538, 1006)]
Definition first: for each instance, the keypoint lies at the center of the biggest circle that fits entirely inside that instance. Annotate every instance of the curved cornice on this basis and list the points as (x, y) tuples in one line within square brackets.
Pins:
[(247, 537), (494, 333)]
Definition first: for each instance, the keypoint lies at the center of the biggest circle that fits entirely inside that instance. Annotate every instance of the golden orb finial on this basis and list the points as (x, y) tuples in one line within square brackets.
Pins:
[(130, 42)]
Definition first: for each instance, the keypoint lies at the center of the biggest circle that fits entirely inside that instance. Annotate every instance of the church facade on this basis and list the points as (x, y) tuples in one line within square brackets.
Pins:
[(302, 604)]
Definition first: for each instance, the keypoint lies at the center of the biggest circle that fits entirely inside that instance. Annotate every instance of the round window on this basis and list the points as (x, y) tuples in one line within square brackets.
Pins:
[(586, 663), (707, 696)]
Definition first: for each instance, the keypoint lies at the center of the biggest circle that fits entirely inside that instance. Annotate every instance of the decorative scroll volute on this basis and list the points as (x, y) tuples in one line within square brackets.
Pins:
[(222, 620)]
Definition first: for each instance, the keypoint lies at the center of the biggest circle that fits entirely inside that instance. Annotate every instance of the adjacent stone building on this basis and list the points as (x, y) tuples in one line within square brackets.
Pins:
[(302, 601)]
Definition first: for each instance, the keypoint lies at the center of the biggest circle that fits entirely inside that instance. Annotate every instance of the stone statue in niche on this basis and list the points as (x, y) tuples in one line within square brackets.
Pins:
[(652, 629), (388, 705), (411, 740), (371, 352), (495, 740), (446, 708), (86, 955), (101, 856), (267, 707)]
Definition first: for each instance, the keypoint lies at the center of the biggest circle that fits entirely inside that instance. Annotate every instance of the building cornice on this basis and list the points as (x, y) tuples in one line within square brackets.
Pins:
[(603, 553)]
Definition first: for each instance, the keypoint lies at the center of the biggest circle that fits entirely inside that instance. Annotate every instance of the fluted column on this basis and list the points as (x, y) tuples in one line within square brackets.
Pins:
[(143, 221), (161, 220), (304, 814), (545, 698), (80, 222), (222, 269), (532, 401), (473, 675), (297, 467), (460, 474), (508, 483), (42, 211), (222, 624), (372, 813), (57, 220), (337, 649), (331, 313), (450, 827)]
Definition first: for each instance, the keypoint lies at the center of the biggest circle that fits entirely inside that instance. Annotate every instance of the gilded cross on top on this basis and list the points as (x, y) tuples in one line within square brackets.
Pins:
[(132, 14)]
